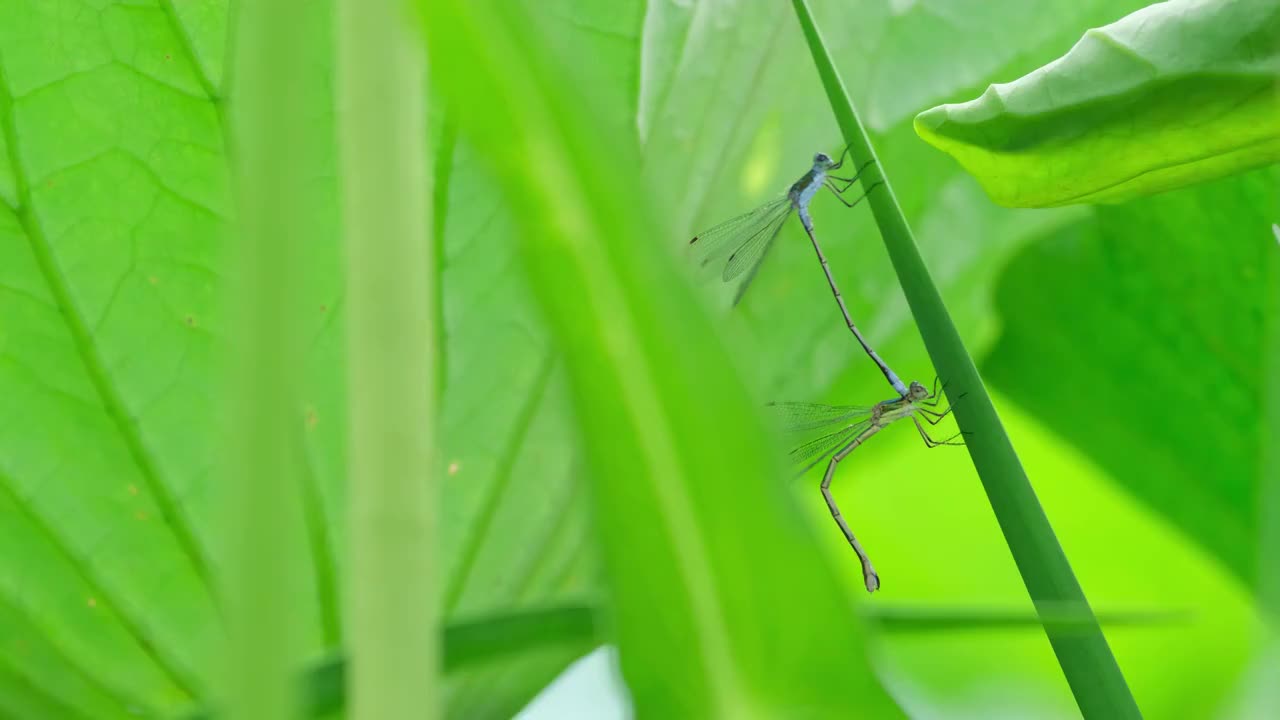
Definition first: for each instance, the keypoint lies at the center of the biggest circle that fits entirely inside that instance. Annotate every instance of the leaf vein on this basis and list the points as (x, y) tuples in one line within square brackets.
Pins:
[(189, 51), (485, 518), (109, 396), (107, 600)]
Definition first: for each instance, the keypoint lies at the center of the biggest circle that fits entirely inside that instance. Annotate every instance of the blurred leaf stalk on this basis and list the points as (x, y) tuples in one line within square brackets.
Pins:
[(391, 625)]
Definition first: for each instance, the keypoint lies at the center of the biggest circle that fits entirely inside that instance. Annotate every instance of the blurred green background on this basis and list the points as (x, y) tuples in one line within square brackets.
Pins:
[(1127, 348)]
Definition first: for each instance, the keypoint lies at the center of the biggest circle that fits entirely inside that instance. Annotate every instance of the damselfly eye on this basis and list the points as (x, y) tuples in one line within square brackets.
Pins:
[(821, 158)]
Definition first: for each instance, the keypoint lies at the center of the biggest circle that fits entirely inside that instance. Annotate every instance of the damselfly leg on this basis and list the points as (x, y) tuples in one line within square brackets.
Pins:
[(849, 180), (933, 417), (843, 153), (930, 442), (855, 201)]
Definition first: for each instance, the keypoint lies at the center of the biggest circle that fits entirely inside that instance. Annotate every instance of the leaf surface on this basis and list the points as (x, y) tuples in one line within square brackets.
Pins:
[(1177, 93)]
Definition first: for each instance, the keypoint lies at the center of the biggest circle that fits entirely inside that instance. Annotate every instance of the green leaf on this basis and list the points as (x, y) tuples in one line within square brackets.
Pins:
[(108, 246), (1172, 95), (1150, 355), (900, 57), (702, 547), (115, 206)]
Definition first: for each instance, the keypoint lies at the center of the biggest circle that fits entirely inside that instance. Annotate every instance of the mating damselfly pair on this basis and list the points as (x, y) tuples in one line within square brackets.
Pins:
[(742, 244)]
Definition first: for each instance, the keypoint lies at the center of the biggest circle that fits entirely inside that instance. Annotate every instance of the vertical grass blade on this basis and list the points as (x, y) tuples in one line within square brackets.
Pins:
[(722, 606), (264, 529), (1269, 504), (1086, 659), (1269, 490), (393, 613)]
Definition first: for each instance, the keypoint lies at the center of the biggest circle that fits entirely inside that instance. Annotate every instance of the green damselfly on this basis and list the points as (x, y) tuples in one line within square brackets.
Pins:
[(843, 428)]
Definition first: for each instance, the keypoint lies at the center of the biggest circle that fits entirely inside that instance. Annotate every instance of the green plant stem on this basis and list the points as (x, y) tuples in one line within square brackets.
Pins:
[(392, 590), (264, 531), (1087, 662), (1269, 479)]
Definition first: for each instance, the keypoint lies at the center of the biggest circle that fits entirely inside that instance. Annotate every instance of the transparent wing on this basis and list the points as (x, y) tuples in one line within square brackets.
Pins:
[(833, 425), (755, 267), (730, 235), (749, 254), (801, 416), (818, 449)]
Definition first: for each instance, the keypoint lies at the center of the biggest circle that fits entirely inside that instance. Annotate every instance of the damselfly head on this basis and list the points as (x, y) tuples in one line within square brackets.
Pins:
[(821, 161), (916, 391)]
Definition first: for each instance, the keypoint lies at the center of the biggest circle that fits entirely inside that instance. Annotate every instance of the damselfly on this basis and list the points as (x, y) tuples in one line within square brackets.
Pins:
[(746, 239), (846, 427)]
